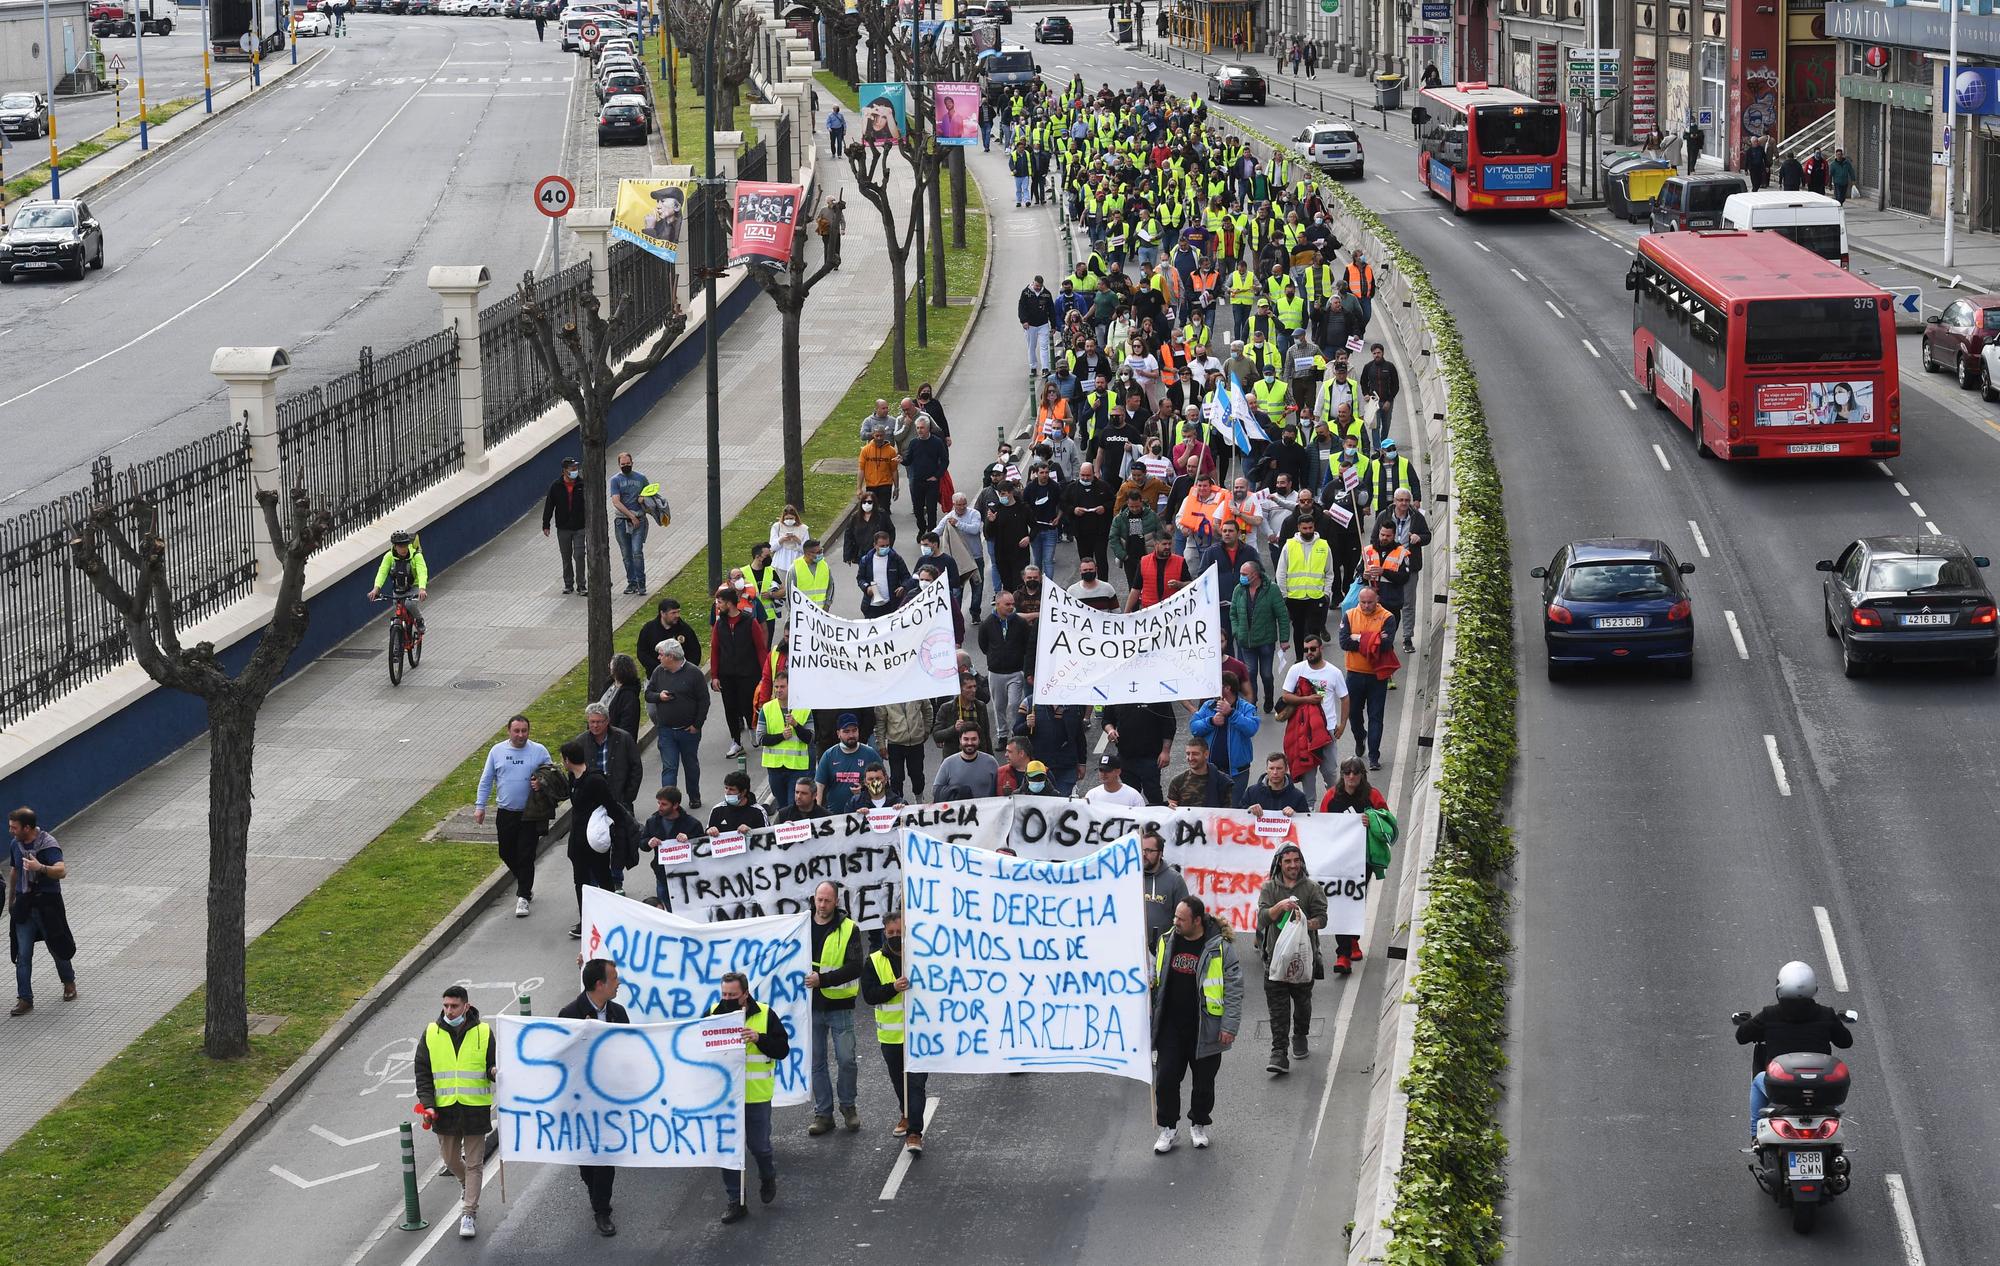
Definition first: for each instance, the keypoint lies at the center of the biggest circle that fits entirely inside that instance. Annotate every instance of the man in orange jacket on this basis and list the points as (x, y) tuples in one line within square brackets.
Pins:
[(1368, 635)]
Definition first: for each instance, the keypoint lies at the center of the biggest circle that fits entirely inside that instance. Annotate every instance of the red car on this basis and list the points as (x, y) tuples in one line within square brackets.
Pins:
[(101, 12), (1954, 338)]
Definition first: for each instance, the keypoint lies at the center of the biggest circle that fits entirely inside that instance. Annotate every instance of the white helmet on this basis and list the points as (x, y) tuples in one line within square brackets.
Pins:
[(1796, 980)]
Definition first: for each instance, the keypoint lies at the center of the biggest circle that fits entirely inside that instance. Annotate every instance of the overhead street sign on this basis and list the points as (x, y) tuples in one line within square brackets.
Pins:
[(554, 196), (1437, 10)]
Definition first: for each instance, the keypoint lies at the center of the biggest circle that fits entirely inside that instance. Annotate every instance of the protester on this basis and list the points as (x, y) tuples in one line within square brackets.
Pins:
[(509, 770), (1368, 636), (667, 624), (669, 824), (737, 648), (1165, 889), (882, 987), (967, 774), (454, 1073), (766, 1045), (1229, 723), (1288, 894), (1111, 788), (837, 962), (1353, 794), (784, 738), (627, 487), (1201, 784), (598, 1001), (1197, 1013), (677, 697), (840, 767)]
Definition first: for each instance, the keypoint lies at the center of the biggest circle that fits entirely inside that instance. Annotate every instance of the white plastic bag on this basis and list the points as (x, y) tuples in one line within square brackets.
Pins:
[(1292, 953), (598, 833)]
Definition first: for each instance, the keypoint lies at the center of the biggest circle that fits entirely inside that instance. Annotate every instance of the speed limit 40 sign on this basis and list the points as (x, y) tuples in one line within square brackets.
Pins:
[(554, 196), (589, 32)]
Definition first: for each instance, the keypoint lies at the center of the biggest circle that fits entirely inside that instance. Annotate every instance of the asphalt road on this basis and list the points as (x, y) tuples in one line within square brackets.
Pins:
[(309, 220), (1665, 871)]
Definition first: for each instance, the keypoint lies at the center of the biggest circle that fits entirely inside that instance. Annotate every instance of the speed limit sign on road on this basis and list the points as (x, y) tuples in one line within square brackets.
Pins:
[(554, 196), (589, 32)]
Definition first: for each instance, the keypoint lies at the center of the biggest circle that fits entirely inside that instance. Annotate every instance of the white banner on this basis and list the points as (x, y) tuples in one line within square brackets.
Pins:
[(670, 969), (1224, 854), (908, 654), (1024, 965), (1165, 652), (650, 1096)]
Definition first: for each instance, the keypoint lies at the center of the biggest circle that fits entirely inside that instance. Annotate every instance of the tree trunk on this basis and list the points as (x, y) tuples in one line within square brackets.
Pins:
[(232, 749), (878, 63), (940, 284), (788, 363), (958, 196), (595, 433), (899, 296)]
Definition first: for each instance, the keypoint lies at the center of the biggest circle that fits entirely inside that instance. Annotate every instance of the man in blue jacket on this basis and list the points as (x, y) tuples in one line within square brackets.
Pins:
[(1229, 723)]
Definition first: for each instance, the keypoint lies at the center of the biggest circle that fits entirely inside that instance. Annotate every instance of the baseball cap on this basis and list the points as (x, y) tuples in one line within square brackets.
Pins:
[(1387, 443), (570, 462), (846, 719), (1036, 767), (1108, 761)]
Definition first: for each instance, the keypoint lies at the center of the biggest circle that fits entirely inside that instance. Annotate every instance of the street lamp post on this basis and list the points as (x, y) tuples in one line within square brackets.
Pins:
[(1951, 137), (711, 336), (207, 81), (923, 203), (139, 31), (49, 71)]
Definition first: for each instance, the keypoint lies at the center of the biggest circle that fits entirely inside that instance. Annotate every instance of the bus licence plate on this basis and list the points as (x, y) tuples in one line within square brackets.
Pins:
[(1812, 448), (1942, 617), (1621, 622)]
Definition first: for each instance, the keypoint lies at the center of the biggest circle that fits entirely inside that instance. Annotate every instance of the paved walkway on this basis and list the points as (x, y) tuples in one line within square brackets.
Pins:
[(342, 754)]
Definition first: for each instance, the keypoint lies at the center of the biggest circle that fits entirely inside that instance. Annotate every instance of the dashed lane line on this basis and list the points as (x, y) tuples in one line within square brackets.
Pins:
[(1906, 1222), (1661, 453), (901, 1168), (1777, 765), (1482, 246), (1699, 542), (1835, 969), (1626, 396), (1736, 634), (1591, 347), (1551, 303)]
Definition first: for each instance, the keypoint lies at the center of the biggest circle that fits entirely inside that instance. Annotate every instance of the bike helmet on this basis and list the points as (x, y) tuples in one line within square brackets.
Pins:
[(1796, 980), (400, 537)]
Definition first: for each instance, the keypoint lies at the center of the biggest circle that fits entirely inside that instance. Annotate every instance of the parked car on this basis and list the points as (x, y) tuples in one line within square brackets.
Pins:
[(1892, 599), (311, 24), (1695, 202), (968, 16), (1333, 147), (1055, 29), (1237, 83), (643, 105), (619, 122), (99, 12), (24, 114), (53, 236), (1955, 338), (1617, 600), (621, 85)]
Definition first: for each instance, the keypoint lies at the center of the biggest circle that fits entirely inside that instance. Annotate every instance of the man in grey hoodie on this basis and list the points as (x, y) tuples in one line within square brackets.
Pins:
[(1289, 893), (1197, 1013), (1164, 886)]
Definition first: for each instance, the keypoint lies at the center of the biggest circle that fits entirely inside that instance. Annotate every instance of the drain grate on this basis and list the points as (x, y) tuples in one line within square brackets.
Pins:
[(475, 683), (354, 652)]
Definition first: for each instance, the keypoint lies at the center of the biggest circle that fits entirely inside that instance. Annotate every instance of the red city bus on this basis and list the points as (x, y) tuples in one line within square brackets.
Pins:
[(1492, 149), (1764, 349)]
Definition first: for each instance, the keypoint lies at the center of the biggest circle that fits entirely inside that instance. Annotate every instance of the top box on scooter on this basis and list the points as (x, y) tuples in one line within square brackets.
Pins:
[(1807, 1081)]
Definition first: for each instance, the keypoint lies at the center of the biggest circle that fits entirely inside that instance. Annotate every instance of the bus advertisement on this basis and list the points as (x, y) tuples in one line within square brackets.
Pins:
[(1492, 149), (1763, 349)]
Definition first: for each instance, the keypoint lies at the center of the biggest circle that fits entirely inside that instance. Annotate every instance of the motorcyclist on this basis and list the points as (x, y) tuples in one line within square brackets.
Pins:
[(1794, 1024), (403, 569)]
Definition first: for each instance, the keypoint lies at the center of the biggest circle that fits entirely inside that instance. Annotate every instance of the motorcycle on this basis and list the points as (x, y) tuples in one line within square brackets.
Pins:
[(1800, 1157)]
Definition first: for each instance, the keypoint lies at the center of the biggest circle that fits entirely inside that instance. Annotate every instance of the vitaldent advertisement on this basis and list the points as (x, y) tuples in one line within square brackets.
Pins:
[(1815, 404)]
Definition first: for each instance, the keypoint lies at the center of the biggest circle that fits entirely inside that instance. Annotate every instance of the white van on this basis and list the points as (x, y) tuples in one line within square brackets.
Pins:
[(1813, 220)]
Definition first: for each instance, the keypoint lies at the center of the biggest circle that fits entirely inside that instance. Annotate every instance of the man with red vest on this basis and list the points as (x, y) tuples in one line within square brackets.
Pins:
[(1162, 574)]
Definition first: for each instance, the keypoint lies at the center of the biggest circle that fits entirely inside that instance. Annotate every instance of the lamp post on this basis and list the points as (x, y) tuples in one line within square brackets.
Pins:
[(923, 203), (49, 71), (207, 81), (1951, 137), (710, 335), (139, 31)]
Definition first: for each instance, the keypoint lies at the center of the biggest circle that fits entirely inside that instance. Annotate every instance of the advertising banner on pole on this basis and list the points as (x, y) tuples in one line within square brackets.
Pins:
[(653, 214), (885, 113), (1224, 854), (670, 969), (1024, 965), (956, 113), (767, 216), (1166, 652), (908, 654), (646, 1096)]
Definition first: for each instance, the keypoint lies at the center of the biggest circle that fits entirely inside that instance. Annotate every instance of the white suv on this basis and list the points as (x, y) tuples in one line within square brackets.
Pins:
[(1331, 147)]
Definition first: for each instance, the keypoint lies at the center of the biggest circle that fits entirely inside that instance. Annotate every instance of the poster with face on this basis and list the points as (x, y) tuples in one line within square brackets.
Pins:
[(1815, 404), (652, 214), (956, 113), (767, 216), (885, 113)]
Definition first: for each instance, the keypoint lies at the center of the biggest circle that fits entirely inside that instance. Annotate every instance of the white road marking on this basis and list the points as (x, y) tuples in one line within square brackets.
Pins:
[(1592, 349), (338, 1141), (1661, 453), (1835, 969), (1932, 528), (1517, 274), (1884, 468), (1342, 1017), (1906, 1222), (1442, 220), (447, 1223), (308, 1184), (1482, 246), (65, 301), (1626, 396), (902, 1165), (1699, 543), (1407, 194), (1919, 509), (1382, 178), (1777, 765), (1901, 491), (1553, 308), (1736, 634)]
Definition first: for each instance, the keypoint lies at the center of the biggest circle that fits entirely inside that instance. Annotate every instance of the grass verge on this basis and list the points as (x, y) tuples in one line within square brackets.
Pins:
[(687, 108), (83, 151), (102, 1155)]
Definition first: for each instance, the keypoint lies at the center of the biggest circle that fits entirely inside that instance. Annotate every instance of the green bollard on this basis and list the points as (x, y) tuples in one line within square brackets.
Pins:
[(522, 1001), (413, 1212)]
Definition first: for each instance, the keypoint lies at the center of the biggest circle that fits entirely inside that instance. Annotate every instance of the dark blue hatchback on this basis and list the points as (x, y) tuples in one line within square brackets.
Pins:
[(1618, 600)]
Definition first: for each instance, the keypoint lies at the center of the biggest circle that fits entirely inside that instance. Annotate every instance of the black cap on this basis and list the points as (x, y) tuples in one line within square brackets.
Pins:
[(1108, 761)]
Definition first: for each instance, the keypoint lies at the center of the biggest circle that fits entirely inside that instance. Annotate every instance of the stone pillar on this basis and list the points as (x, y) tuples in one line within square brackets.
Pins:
[(765, 119), (727, 146), (592, 226), (792, 98), (252, 374), (791, 51), (458, 287)]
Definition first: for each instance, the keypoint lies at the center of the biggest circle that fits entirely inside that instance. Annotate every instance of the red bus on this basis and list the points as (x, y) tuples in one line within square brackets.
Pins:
[(1492, 149), (1763, 349)]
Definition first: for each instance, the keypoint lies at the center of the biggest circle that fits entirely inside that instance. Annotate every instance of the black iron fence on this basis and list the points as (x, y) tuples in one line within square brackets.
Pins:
[(516, 388), (642, 296), (783, 141), (753, 162), (374, 437), (56, 634)]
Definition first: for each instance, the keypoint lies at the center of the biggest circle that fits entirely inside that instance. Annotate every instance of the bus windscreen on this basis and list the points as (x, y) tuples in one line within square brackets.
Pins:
[(1812, 331), (1517, 130)]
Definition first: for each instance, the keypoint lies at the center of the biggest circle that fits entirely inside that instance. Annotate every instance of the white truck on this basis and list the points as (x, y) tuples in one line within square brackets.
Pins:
[(157, 17)]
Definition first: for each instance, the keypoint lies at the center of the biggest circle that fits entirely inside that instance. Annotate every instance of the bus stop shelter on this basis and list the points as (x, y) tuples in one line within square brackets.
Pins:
[(1204, 26)]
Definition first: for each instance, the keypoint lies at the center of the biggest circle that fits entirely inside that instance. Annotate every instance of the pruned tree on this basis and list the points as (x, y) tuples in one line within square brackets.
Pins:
[(121, 549), (789, 288), (878, 22), (736, 39), (842, 31), (579, 360), (873, 179)]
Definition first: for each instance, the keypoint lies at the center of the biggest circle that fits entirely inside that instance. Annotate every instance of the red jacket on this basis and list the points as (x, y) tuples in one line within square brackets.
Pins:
[(1305, 735)]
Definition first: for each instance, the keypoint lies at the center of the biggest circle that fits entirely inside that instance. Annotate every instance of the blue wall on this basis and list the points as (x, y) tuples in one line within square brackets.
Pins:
[(97, 762)]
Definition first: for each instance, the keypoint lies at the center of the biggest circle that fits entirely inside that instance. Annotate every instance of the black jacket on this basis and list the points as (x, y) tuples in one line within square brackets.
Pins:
[(652, 633), (620, 765), (624, 707), (1009, 645), (459, 1118), (1035, 307), (1379, 379), (1791, 1026), (564, 505), (614, 1011), (1144, 729)]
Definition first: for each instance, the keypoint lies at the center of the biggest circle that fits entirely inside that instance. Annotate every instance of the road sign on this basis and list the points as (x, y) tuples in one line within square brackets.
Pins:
[(1437, 10), (1601, 54), (589, 32), (1329, 6), (1907, 302), (1705, 118), (117, 64), (1581, 77), (1421, 39), (554, 196)]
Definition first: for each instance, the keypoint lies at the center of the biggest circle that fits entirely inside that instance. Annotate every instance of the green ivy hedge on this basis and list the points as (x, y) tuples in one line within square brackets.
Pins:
[(1453, 1174)]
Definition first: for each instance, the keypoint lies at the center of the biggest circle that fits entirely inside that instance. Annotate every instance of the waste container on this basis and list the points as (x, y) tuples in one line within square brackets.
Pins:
[(1389, 92), (1631, 186)]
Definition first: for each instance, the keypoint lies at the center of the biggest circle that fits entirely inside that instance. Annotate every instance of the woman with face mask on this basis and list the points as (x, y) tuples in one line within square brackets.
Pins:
[(739, 810), (788, 540)]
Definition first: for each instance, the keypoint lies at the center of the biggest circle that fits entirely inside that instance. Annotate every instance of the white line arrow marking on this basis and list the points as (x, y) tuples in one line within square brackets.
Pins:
[(338, 1141), (304, 1185)]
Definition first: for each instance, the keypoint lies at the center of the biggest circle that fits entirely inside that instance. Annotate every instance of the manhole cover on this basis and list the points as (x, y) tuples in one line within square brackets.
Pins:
[(264, 1025), (475, 683), (352, 652), (837, 466)]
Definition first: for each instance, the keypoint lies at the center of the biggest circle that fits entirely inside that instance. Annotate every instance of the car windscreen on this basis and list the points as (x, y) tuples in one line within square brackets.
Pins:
[(1710, 195), (1611, 582), (1900, 575), (1517, 130), (17, 100), (1812, 331), (1333, 136), (32, 217), (1017, 63)]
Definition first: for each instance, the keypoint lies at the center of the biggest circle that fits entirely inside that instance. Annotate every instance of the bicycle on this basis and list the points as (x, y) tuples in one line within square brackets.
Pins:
[(404, 640)]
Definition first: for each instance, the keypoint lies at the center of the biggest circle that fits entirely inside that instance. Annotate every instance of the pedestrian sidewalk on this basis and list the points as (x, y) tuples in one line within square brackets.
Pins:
[(1917, 243), (342, 754)]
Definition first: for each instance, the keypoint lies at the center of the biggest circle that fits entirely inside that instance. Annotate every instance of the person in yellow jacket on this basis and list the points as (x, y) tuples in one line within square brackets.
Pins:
[(454, 1073), (883, 986), (765, 1047), (405, 574), (785, 736), (1242, 289), (837, 963)]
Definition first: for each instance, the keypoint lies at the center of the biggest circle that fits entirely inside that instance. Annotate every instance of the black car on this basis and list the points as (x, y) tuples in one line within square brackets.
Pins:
[(47, 237), (1909, 598), (620, 85), (1617, 601), (1001, 11), (24, 114), (1055, 29), (1236, 83), (621, 122)]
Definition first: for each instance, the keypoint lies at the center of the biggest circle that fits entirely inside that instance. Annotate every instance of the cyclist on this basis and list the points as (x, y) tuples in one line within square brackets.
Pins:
[(403, 569)]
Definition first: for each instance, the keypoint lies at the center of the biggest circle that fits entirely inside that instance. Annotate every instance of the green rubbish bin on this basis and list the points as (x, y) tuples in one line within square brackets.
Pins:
[(1389, 92)]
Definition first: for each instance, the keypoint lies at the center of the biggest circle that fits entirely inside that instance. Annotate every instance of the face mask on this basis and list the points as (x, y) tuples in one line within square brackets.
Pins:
[(893, 944), (455, 1020), (1006, 500), (1090, 578), (1036, 784), (732, 798), (927, 551), (791, 522), (625, 470), (867, 506), (570, 475), (882, 551), (727, 1005)]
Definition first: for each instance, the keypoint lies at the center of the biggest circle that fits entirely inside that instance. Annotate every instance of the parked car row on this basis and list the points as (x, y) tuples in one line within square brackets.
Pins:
[(625, 108)]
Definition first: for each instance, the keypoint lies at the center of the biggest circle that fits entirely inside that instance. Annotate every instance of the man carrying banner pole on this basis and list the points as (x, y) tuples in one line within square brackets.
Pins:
[(882, 987), (766, 1045), (598, 1001)]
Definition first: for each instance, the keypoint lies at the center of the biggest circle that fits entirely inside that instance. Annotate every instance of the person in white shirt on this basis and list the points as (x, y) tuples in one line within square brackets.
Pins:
[(788, 539), (1330, 682), (1278, 503), (1112, 790)]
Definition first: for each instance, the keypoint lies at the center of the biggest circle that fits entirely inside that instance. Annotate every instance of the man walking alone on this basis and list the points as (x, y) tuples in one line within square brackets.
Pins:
[(454, 1071), (1197, 1012), (1289, 894)]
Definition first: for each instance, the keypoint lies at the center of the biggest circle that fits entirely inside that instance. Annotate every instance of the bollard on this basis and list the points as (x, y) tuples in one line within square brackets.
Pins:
[(413, 1211), (525, 1003)]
